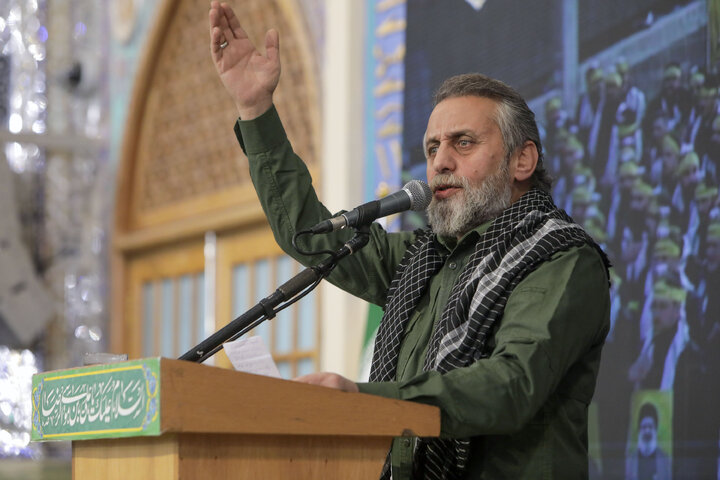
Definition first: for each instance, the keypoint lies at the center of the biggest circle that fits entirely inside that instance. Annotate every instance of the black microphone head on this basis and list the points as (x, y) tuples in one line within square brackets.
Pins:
[(420, 194)]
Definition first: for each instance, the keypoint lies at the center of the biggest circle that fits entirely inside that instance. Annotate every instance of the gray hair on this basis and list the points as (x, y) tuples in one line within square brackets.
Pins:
[(513, 117)]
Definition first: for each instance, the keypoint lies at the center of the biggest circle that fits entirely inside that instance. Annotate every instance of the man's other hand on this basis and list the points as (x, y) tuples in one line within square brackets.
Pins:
[(330, 380)]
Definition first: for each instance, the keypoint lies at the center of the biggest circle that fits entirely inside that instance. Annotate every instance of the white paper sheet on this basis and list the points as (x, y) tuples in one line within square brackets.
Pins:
[(250, 355)]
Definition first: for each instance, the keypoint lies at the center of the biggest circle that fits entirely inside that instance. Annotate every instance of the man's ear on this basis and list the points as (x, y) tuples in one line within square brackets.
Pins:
[(525, 161)]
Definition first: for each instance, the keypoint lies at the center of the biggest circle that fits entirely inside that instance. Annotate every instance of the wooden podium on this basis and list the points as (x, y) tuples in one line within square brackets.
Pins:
[(218, 423)]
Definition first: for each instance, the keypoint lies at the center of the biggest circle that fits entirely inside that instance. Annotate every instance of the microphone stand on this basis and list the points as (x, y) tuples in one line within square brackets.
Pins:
[(265, 308)]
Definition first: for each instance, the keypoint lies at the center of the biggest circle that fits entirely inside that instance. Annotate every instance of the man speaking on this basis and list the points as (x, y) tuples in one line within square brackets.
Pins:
[(496, 314)]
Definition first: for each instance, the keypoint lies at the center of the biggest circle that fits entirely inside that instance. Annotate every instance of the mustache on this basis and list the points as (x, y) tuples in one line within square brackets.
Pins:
[(447, 180)]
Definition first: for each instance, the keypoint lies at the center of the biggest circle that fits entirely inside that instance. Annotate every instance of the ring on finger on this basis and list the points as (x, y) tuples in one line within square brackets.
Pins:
[(223, 44)]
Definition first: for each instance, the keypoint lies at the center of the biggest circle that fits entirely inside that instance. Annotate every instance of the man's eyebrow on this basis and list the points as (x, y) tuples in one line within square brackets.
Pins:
[(454, 135)]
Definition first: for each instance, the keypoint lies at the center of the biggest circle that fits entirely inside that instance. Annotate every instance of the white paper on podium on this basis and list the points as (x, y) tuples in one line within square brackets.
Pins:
[(250, 355)]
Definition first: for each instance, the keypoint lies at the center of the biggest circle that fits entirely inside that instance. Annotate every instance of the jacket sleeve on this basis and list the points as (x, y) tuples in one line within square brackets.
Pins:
[(284, 188)]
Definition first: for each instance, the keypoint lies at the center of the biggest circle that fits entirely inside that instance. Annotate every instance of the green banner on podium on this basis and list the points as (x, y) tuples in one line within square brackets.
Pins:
[(100, 401)]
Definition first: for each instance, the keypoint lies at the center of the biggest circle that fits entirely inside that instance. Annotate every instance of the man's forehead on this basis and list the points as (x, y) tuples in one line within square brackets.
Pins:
[(448, 118), (456, 115)]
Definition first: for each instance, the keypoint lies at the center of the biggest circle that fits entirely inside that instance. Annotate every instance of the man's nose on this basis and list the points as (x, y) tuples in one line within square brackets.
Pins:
[(443, 161)]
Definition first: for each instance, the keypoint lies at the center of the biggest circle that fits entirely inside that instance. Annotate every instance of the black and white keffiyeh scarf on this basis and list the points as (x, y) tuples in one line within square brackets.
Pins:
[(526, 234)]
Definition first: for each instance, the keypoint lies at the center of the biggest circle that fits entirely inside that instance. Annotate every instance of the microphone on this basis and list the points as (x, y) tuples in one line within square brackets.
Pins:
[(415, 195)]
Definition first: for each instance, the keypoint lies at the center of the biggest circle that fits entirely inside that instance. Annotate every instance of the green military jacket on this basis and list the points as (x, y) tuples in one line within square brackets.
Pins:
[(526, 406)]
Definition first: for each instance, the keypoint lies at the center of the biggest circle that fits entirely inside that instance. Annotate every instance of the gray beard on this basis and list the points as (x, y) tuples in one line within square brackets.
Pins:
[(473, 206)]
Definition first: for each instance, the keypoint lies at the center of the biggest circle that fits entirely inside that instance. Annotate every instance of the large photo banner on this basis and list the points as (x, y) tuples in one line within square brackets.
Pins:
[(626, 94)]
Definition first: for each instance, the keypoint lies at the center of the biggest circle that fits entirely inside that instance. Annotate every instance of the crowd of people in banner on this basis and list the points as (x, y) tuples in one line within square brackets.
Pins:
[(641, 175)]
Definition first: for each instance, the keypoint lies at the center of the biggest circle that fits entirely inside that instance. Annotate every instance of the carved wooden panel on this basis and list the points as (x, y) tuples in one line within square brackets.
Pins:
[(185, 158)]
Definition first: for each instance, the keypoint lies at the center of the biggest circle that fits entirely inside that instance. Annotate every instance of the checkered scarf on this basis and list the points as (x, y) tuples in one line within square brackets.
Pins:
[(526, 234)]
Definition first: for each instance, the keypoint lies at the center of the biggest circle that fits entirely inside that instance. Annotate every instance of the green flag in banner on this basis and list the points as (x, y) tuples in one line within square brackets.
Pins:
[(374, 316), (714, 34)]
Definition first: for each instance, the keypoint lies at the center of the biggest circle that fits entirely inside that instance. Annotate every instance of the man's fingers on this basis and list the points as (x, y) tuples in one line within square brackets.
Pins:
[(233, 22), (224, 24), (272, 44), (311, 378), (330, 380), (214, 16), (216, 39)]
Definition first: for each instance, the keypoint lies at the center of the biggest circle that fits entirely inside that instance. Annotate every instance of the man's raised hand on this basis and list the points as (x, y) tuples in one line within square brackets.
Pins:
[(249, 76)]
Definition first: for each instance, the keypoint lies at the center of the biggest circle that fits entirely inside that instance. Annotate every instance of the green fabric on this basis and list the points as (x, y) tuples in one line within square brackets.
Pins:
[(372, 323), (526, 405), (374, 317)]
